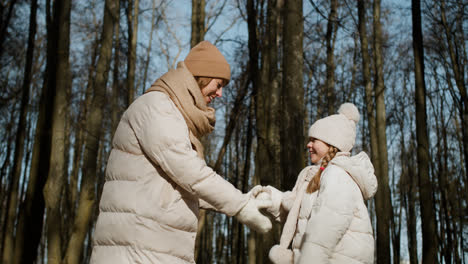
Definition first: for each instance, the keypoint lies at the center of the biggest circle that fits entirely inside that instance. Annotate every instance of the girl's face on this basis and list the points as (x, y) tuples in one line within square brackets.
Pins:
[(212, 90), (317, 149)]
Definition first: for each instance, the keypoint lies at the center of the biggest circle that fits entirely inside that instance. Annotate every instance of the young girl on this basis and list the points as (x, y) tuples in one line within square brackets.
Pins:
[(326, 218)]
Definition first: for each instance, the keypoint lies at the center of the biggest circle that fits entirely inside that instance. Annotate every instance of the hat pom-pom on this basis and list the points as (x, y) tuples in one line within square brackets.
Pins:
[(280, 255), (350, 111)]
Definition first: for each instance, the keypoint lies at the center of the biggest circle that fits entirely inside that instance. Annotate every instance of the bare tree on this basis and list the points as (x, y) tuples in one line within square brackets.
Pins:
[(55, 180), (332, 27), (425, 186), (132, 20), (93, 137), (9, 243), (198, 22), (383, 202)]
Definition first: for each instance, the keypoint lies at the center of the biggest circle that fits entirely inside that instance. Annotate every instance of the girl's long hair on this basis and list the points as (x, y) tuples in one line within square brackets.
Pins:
[(314, 184)]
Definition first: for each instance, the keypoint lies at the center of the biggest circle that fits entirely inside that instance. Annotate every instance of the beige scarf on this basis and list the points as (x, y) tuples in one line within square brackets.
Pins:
[(281, 254), (180, 85)]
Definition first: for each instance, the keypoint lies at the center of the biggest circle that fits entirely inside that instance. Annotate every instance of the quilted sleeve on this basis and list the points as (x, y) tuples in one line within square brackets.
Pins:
[(163, 136)]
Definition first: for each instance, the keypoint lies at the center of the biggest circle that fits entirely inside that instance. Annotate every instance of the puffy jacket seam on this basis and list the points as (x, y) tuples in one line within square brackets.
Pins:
[(128, 152), (124, 180), (315, 243), (346, 256), (361, 232), (175, 179), (144, 248), (149, 218)]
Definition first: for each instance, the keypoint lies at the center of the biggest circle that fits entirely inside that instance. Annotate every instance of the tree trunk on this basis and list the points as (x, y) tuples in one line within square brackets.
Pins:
[(116, 95), (256, 92), (266, 100), (132, 19), (332, 27), (8, 244), (55, 180), (198, 22), (292, 138), (94, 130), (150, 44), (246, 176), (32, 215), (429, 240), (197, 35), (459, 75), (383, 203)]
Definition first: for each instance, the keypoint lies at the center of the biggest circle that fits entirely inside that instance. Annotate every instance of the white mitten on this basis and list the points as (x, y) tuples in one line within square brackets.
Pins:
[(280, 255), (250, 215), (276, 197)]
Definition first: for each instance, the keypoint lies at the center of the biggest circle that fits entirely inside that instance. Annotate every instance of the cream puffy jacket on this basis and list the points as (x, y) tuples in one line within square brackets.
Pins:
[(333, 225), (155, 184)]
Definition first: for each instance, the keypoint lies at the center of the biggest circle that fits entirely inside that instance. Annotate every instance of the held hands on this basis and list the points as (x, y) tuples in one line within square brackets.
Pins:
[(250, 214)]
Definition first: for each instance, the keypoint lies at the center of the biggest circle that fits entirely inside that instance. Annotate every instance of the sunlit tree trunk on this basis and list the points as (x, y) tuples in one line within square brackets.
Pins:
[(55, 180), (92, 138), (429, 235)]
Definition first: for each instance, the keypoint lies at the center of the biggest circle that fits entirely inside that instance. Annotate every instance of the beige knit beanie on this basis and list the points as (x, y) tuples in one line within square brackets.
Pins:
[(205, 60), (338, 130)]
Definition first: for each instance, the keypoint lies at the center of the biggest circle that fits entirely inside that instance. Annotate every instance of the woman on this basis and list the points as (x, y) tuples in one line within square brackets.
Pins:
[(156, 177), (326, 218)]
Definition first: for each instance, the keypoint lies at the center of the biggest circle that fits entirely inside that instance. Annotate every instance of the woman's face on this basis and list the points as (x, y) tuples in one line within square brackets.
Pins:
[(317, 149), (212, 90)]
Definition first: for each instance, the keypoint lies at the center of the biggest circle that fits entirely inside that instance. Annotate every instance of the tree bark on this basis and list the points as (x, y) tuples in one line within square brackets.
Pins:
[(92, 138), (198, 22), (429, 240), (383, 203), (8, 244), (32, 216), (132, 18), (292, 138), (55, 180), (116, 95), (198, 34), (332, 27), (154, 22)]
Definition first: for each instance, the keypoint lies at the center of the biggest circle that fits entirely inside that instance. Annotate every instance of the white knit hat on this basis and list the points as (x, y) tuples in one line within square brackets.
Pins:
[(337, 130)]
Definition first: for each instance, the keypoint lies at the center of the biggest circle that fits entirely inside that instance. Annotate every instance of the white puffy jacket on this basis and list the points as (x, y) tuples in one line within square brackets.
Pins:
[(155, 182), (333, 225)]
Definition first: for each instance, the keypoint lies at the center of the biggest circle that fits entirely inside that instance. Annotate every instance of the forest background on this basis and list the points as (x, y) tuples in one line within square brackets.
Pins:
[(70, 68)]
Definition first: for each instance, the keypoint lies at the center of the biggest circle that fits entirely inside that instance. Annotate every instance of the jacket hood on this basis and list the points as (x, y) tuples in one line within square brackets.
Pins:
[(361, 170)]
